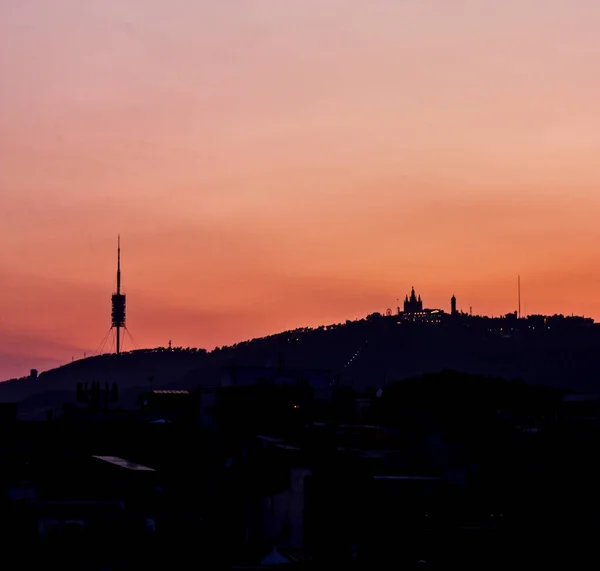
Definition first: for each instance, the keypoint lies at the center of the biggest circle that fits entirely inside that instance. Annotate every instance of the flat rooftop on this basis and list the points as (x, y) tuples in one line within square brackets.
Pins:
[(122, 463)]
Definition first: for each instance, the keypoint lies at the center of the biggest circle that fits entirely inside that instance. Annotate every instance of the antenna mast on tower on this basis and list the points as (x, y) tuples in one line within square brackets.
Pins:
[(519, 294)]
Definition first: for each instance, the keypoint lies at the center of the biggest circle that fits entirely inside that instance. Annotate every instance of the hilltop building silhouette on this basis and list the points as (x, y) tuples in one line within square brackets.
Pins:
[(414, 310), (413, 307), (413, 304)]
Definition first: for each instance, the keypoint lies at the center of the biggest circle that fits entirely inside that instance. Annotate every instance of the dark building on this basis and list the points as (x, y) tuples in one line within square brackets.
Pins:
[(207, 406), (414, 311), (263, 407), (62, 504), (319, 380), (93, 402), (170, 405), (453, 305), (95, 396), (413, 304), (8, 412), (333, 492), (584, 409)]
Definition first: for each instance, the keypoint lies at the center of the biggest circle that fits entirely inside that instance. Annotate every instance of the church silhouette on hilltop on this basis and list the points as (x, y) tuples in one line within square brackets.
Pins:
[(413, 304), (414, 311)]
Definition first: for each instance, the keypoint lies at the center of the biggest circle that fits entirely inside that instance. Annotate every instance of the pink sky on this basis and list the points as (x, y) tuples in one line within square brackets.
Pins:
[(274, 164)]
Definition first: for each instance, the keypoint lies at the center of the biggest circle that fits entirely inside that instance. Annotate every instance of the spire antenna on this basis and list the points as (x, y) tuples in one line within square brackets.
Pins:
[(519, 295), (119, 263)]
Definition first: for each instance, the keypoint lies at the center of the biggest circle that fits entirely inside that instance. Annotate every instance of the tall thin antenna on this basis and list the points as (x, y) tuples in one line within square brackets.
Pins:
[(119, 264), (519, 294)]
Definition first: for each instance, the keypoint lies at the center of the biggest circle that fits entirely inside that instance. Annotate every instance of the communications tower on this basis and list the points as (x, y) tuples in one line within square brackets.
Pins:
[(118, 303), (118, 314)]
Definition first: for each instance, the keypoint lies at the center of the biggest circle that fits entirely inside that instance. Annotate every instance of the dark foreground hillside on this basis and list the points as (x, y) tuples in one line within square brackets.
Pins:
[(367, 353)]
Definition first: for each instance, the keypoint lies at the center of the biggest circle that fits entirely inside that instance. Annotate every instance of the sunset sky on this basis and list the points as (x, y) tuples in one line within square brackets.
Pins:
[(272, 164)]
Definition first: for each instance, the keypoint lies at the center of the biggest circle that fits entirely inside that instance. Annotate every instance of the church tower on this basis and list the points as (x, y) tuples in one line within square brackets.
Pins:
[(413, 304), (453, 305)]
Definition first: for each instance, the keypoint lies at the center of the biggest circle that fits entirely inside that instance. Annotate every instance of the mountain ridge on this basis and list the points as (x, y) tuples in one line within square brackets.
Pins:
[(365, 353)]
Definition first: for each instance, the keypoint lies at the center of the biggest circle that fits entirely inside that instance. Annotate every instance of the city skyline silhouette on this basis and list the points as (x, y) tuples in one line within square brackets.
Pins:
[(284, 166), (310, 284)]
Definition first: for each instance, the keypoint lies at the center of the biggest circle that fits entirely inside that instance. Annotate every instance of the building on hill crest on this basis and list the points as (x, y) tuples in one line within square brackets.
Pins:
[(414, 311), (413, 304)]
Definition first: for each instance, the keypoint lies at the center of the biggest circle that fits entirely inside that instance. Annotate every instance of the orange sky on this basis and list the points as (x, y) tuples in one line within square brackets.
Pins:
[(277, 164)]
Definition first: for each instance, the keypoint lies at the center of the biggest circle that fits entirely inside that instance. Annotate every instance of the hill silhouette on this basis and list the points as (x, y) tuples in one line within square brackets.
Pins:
[(370, 352)]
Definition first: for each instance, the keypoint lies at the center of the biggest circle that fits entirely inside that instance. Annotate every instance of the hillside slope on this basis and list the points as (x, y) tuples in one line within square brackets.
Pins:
[(366, 353)]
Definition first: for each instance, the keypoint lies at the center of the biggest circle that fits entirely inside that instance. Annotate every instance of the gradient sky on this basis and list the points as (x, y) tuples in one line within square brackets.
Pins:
[(273, 164)]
